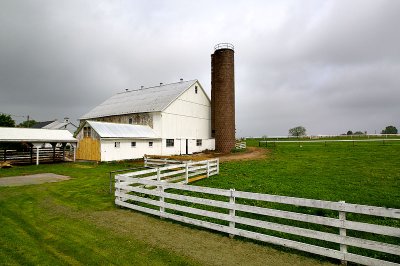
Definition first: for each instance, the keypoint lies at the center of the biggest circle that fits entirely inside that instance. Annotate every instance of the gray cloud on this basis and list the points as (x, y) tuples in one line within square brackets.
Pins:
[(330, 66)]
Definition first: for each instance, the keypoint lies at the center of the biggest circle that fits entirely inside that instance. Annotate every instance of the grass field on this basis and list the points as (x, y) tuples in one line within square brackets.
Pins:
[(76, 222)]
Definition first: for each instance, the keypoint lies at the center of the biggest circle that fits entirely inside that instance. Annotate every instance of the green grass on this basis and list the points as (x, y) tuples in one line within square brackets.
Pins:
[(367, 173), (76, 222), (48, 224)]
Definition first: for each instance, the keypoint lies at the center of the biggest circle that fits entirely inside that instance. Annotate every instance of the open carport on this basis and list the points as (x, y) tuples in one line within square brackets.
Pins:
[(31, 145)]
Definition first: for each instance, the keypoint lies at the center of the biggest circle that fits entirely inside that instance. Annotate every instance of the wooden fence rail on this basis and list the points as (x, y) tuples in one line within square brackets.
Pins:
[(240, 145), (176, 171), (154, 162), (133, 193), (30, 156)]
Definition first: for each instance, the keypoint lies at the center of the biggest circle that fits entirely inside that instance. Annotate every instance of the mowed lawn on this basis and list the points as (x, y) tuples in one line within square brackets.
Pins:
[(76, 222)]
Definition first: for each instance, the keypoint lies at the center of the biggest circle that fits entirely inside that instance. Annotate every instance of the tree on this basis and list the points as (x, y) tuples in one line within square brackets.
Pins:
[(29, 123), (358, 133), (6, 121), (349, 132), (390, 130), (297, 131)]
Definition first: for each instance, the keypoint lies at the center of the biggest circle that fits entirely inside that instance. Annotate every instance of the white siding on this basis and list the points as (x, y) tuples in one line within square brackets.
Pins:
[(188, 117), (125, 152)]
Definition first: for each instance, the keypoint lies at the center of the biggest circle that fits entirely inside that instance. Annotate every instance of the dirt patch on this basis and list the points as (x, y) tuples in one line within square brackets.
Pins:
[(251, 153), (13, 181)]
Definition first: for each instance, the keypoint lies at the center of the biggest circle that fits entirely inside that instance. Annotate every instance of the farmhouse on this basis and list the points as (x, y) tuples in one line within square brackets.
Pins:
[(55, 124), (165, 120)]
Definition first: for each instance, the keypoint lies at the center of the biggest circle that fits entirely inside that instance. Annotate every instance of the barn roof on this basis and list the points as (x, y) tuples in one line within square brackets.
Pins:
[(114, 130), (150, 99), (16, 134)]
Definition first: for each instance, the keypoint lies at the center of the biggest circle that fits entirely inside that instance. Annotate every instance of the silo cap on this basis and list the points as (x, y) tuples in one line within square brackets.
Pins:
[(224, 45)]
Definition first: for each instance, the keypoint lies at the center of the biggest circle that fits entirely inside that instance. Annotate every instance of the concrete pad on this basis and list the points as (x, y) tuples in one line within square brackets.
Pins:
[(13, 181)]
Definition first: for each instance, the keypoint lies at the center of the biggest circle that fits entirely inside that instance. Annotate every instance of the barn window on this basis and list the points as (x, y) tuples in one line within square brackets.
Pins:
[(133, 144), (150, 144), (195, 89), (170, 142), (130, 120), (87, 132), (199, 142), (117, 144)]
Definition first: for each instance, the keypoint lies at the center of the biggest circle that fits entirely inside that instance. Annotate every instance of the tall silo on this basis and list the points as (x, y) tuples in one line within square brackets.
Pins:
[(223, 97)]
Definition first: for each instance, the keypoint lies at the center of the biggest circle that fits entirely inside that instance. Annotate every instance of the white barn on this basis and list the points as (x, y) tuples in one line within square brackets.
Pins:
[(162, 120)]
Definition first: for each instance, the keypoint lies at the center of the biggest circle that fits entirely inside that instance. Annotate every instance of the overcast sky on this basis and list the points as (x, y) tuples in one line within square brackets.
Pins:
[(330, 66)]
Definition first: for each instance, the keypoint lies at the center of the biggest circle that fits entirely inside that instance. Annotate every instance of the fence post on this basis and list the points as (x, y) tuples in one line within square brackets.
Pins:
[(232, 210), (217, 166), (187, 173), (208, 168), (118, 181), (145, 161), (342, 231), (110, 182), (161, 190)]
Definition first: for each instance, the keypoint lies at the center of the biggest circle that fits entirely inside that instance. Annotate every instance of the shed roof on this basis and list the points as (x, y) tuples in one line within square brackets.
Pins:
[(114, 130), (150, 99), (15, 134)]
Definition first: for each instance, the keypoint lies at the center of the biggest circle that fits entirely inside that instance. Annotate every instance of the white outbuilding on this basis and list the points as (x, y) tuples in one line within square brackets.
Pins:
[(167, 119)]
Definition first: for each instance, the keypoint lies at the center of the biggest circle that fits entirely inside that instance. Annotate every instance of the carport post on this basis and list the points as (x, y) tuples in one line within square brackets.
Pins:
[(37, 155), (74, 147), (37, 146)]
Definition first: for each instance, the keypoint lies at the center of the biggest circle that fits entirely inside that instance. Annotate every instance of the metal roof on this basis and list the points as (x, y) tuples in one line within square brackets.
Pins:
[(114, 130), (150, 99), (16, 134), (42, 124)]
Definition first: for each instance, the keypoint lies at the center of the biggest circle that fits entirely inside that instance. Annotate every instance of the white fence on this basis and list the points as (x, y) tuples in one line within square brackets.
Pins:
[(132, 193), (240, 145), (153, 162), (176, 171)]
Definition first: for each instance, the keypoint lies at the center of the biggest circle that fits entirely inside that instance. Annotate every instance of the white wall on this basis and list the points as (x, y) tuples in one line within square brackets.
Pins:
[(125, 151), (180, 146), (188, 117)]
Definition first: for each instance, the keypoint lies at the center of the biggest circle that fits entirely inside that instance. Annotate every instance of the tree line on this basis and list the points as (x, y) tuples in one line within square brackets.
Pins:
[(301, 131), (7, 121)]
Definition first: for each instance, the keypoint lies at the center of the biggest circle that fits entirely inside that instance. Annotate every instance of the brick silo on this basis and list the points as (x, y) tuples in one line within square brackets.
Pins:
[(223, 97)]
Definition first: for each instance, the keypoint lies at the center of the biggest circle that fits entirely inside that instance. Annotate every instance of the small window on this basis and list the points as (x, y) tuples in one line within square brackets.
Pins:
[(170, 142), (150, 144), (199, 142), (130, 120), (195, 89), (87, 132), (133, 144), (117, 144)]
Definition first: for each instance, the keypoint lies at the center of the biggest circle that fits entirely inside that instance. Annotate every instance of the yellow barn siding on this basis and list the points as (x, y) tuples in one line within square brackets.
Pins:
[(88, 149)]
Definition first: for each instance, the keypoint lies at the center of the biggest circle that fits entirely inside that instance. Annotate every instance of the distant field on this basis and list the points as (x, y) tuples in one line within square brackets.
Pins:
[(76, 222), (255, 141)]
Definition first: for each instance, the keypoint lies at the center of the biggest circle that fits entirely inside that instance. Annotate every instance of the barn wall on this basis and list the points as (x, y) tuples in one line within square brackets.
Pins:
[(189, 116), (180, 146), (145, 119), (125, 152)]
